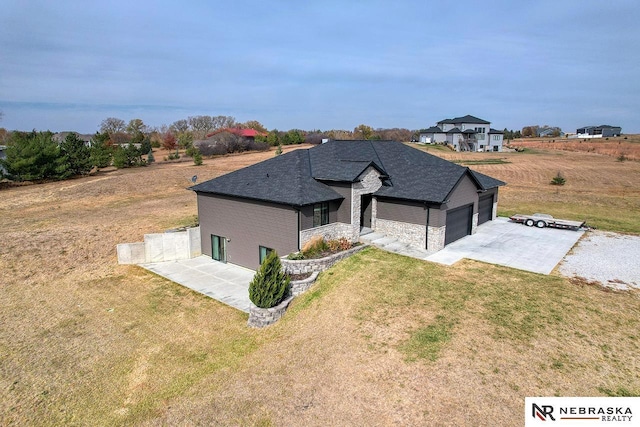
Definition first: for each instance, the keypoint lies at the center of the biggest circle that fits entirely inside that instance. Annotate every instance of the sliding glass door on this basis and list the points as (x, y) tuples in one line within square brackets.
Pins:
[(218, 248)]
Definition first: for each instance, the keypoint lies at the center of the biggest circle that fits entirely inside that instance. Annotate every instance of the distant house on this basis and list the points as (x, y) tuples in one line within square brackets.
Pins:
[(341, 189), (543, 133), (61, 136), (598, 131), (466, 133)]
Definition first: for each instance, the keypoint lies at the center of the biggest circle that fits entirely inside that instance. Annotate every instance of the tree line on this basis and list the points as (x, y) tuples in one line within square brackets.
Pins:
[(33, 156)]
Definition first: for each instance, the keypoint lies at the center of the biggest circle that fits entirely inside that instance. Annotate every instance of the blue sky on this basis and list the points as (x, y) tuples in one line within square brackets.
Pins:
[(67, 65)]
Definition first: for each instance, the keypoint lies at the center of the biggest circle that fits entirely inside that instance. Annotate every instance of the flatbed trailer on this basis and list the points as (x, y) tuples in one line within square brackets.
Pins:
[(543, 220)]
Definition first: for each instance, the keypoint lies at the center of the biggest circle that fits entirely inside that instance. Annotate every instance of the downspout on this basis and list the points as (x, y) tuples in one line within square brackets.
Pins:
[(426, 242), (298, 216)]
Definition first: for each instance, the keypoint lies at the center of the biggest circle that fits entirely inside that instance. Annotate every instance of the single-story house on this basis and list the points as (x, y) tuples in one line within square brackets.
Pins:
[(466, 133), (599, 131), (338, 189)]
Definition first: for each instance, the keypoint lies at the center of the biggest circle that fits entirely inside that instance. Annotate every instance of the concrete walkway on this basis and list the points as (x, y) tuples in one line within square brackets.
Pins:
[(227, 283), (500, 242)]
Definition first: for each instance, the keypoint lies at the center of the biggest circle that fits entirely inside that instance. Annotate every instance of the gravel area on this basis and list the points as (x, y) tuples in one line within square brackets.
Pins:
[(609, 258)]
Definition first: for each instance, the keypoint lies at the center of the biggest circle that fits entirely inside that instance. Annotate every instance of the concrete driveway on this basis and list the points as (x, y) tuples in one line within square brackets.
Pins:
[(510, 244), (227, 283)]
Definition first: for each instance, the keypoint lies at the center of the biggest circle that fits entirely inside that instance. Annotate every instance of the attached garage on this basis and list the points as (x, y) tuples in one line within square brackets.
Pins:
[(459, 222), (485, 209)]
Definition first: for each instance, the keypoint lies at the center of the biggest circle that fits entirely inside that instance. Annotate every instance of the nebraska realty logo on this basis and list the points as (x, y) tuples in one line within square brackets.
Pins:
[(582, 411)]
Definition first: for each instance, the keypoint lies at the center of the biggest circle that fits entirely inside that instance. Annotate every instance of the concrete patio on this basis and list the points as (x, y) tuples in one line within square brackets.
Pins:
[(227, 283)]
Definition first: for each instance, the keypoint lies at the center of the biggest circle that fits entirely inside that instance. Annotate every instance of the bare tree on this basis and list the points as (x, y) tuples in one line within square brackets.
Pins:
[(221, 122), (180, 126), (201, 125), (112, 125)]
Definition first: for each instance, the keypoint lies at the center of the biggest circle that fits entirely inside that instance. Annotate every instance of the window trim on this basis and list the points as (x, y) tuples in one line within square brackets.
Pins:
[(323, 209), (267, 251)]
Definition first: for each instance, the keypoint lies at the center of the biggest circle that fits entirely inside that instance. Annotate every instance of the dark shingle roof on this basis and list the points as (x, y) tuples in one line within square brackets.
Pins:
[(465, 119), (291, 178), (454, 130), (343, 160), (486, 181), (470, 119), (284, 179), (432, 129), (492, 130)]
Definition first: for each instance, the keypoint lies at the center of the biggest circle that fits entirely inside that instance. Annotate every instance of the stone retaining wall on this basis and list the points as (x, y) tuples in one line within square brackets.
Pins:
[(311, 265), (333, 231), (300, 286), (261, 317)]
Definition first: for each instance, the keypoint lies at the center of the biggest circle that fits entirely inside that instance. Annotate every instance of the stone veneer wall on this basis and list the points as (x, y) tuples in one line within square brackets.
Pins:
[(474, 223), (300, 286), (374, 213), (413, 234), (310, 265), (369, 183), (435, 238), (331, 231), (261, 317)]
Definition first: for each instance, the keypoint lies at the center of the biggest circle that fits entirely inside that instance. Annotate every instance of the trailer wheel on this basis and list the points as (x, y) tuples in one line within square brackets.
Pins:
[(529, 222), (541, 224)]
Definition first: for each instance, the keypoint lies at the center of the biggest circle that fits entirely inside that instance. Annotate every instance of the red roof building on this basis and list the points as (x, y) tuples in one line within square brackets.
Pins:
[(246, 133)]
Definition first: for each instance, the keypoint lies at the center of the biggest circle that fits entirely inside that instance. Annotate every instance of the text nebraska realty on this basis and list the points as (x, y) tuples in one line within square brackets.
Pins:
[(609, 413), (606, 414)]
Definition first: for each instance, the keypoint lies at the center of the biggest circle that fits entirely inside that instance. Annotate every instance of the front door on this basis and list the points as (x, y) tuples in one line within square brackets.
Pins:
[(218, 248), (365, 210)]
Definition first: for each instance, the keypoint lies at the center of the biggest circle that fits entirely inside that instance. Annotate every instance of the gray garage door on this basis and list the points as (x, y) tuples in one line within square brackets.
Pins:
[(485, 209), (458, 223)]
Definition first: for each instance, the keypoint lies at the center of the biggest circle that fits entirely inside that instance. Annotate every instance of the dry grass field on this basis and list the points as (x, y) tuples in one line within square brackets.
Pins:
[(380, 340), (599, 189), (626, 146)]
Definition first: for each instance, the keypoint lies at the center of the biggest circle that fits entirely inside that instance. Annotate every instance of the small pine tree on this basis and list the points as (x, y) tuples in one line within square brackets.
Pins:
[(150, 157), (558, 179), (269, 286), (279, 150), (197, 158)]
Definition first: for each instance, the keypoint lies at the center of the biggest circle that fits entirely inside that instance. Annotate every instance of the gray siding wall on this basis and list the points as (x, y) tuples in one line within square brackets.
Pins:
[(493, 191), (402, 211), (247, 224), (344, 208), (306, 215), (464, 193), (437, 217)]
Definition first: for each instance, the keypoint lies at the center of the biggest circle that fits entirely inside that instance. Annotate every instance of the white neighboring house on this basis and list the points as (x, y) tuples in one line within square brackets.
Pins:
[(467, 133)]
